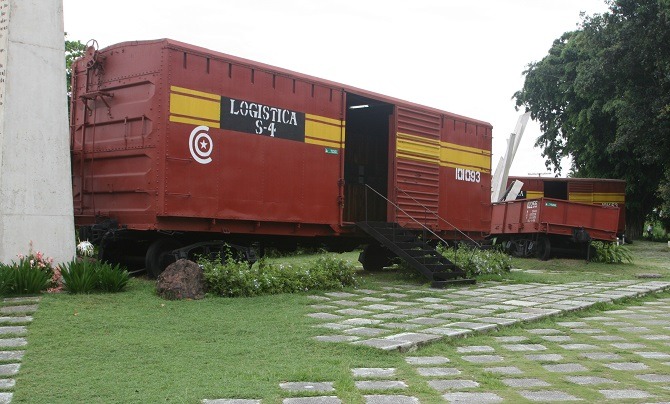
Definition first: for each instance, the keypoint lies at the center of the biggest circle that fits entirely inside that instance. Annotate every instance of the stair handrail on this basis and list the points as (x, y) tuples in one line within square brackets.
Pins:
[(437, 216), (407, 214)]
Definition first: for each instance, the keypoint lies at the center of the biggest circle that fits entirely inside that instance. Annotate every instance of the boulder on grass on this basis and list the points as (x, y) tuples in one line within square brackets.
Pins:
[(183, 279)]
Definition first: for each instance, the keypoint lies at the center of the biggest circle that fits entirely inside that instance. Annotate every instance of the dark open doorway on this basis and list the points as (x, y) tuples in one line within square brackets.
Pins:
[(556, 189), (366, 158)]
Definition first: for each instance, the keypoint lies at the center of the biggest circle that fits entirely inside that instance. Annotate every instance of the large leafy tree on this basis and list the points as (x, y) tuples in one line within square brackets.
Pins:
[(602, 96), (73, 51)]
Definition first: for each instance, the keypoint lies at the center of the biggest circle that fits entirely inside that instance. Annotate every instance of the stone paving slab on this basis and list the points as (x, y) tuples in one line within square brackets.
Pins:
[(6, 398), (548, 396), (426, 314), (313, 400), (380, 384), (12, 342), (624, 394), (369, 373), (17, 330), (397, 399), (19, 309), (427, 360), (11, 355), (10, 369), (307, 386), (474, 398), (530, 382), (453, 384), (7, 383), (16, 319)]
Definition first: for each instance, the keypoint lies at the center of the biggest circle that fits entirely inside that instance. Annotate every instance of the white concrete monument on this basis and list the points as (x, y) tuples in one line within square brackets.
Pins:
[(35, 176)]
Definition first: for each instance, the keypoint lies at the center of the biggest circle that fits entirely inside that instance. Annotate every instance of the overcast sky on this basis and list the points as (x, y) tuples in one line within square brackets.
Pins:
[(463, 56)]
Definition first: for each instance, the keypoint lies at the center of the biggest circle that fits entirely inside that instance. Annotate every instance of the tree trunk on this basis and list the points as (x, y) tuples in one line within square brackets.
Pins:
[(634, 226)]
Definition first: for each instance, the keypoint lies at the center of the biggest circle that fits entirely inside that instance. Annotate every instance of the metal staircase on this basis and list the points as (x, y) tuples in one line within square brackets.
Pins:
[(408, 245)]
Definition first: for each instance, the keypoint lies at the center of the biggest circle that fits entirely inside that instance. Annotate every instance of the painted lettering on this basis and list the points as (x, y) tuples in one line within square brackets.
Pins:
[(463, 174)]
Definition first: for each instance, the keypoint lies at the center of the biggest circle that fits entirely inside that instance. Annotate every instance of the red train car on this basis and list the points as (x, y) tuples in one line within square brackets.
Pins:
[(545, 226), (596, 191), (173, 144)]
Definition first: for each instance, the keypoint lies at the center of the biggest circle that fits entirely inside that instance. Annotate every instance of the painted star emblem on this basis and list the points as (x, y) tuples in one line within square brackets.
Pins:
[(203, 144)]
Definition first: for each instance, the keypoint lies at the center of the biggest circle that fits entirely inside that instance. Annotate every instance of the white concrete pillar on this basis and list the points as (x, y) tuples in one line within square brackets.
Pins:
[(35, 175)]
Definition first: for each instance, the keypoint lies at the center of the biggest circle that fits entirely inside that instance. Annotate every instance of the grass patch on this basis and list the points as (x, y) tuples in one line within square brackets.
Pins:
[(136, 347)]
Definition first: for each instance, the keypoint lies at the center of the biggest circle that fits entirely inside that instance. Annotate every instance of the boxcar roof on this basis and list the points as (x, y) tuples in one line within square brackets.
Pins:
[(564, 179), (173, 44)]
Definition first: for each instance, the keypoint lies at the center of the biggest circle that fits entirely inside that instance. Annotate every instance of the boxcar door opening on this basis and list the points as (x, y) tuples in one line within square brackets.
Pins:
[(366, 159), (556, 190)]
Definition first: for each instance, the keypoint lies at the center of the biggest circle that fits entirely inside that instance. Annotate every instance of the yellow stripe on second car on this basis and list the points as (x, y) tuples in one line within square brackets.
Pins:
[(445, 154)]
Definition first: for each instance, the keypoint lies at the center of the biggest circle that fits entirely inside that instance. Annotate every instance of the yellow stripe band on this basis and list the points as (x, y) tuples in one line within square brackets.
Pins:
[(202, 94), (326, 143), (534, 194), (465, 157), (445, 154), (195, 107), (418, 148), (191, 121), (324, 131), (597, 197)]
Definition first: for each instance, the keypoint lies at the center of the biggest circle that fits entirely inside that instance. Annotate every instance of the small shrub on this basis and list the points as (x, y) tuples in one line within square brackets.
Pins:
[(111, 279), (611, 253), (476, 262), (6, 279), (86, 276), (79, 276), (29, 279), (234, 278)]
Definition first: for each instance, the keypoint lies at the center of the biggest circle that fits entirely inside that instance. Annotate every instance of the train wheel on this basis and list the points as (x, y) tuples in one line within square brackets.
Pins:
[(374, 257), (543, 248), (158, 257)]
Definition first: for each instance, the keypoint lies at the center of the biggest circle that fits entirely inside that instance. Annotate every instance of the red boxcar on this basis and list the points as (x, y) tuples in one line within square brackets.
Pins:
[(596, 191), (544, 226), (175, 144)]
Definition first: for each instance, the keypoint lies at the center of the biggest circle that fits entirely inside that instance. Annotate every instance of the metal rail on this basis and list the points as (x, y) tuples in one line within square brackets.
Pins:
[(400, 209)]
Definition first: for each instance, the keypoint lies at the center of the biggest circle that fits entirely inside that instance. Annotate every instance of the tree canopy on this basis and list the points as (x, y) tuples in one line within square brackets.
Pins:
[(602, 96), (73, 50)]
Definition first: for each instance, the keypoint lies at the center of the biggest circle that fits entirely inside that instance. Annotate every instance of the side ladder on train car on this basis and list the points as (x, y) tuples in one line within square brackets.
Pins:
[(409, 245)]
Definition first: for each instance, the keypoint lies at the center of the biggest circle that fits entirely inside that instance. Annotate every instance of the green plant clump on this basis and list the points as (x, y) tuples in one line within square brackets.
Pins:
[(476, 262), (86, 276), (31, 275), (611, 253), (29, 279), (233, 278), (6, 279)]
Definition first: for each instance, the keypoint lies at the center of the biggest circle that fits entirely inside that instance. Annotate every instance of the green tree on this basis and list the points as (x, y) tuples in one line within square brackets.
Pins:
[(602, 96), (73, 50)]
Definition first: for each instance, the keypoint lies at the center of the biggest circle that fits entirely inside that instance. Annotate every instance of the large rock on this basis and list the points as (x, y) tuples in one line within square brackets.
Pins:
[(183, 279)]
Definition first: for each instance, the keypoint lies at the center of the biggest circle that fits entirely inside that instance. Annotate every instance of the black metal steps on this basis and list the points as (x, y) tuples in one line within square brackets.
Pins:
[(407, 245)]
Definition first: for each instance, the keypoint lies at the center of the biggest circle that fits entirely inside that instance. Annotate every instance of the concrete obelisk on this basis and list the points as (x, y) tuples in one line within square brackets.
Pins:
[(35, 176)]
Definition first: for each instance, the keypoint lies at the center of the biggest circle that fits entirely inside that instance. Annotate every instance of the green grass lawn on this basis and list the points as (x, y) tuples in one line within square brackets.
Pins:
[(136, 347)]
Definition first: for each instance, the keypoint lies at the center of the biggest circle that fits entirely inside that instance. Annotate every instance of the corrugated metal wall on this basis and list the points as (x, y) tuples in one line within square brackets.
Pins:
[(417, 166)]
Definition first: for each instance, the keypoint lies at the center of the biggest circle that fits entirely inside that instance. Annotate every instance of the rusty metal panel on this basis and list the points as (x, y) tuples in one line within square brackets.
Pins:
[(170, 136), (597, 191), (466, 176), (554, 216), (417, 168)]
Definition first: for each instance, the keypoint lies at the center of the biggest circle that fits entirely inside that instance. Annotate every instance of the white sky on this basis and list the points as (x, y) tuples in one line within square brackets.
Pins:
[(463, 56)]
